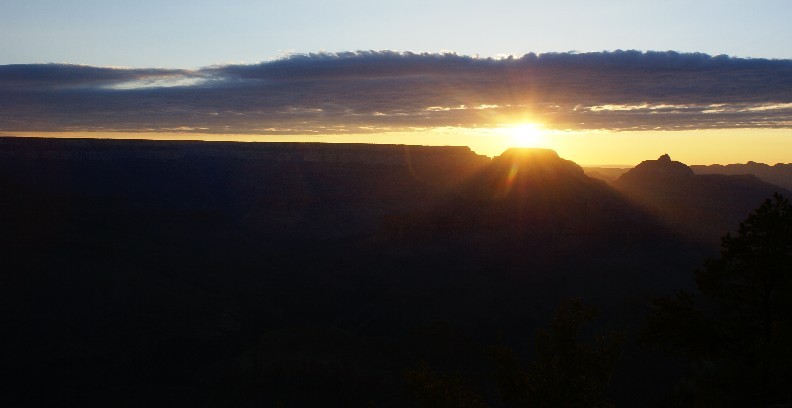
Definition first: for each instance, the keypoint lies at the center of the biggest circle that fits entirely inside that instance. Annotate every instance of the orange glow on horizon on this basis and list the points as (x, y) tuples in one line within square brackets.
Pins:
[(590, 147)]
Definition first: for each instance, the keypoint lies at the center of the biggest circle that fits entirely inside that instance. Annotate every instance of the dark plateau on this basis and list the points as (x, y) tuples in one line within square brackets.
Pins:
[(153, 273)]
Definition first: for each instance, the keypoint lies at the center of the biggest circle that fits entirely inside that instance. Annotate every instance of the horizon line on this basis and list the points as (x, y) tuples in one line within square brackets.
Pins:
[(248, 139)]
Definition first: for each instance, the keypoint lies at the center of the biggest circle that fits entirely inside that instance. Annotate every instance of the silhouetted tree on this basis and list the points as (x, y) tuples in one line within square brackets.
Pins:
[(740, 338), (566, 371)]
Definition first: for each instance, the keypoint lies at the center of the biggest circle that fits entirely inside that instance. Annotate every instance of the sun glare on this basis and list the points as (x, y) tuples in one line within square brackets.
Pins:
[(526, 135)]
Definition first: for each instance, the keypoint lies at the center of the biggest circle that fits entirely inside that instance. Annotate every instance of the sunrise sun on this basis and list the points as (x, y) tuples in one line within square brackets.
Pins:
[(526, 135)]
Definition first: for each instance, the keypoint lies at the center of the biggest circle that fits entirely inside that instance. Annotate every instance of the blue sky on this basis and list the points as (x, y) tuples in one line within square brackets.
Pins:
[(197, 33)]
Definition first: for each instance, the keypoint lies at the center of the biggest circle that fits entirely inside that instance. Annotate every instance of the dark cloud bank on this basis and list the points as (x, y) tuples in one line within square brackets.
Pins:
[(375, 91)]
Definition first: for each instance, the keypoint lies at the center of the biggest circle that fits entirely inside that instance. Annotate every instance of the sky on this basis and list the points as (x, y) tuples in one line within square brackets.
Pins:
[(198, 33), (585, 78)]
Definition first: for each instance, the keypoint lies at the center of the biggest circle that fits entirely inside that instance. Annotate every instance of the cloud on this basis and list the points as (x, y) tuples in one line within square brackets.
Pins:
[(55, 77), (369, 91)]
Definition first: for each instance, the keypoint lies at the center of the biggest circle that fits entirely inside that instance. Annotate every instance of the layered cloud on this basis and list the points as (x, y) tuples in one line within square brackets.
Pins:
[(380, 91)]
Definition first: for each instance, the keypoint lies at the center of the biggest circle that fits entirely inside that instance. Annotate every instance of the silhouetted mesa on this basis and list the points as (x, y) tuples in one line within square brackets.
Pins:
[(661, 169), (704, 206), (140, 271), (779, 174), (530, 207), (269, 189)]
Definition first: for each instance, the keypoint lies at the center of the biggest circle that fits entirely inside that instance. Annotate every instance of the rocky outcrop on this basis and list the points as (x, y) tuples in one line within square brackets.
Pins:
[(702, 206), (148, 270), (428, 159), (530, 200), (662, 168), (268, 189), (779, 174)]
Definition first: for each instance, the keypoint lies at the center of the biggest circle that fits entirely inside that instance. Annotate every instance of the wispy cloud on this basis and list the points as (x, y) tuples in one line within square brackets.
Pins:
[(370, 91)]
